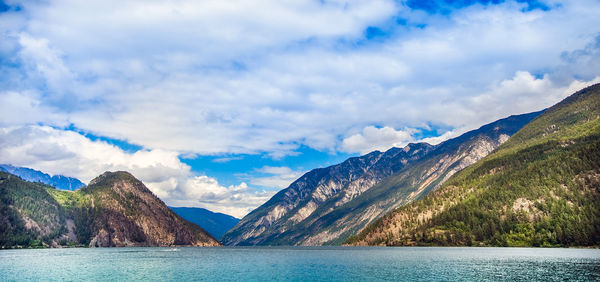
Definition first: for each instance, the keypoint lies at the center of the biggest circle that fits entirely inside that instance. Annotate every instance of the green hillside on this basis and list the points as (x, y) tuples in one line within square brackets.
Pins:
[(540, 188), (29, 215), (114, 210)]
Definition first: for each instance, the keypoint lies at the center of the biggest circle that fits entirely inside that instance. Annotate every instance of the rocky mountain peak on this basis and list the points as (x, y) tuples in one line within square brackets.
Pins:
[(414, 148)]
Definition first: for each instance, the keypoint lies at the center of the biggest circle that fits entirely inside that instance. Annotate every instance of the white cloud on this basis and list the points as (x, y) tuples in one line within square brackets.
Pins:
[(188, 78), (69, 153), (439, 139), (217, 77), (277, 177), (235, 200), (44, 61), (525, 92), (25, 108), (226, 159), (380, 139)]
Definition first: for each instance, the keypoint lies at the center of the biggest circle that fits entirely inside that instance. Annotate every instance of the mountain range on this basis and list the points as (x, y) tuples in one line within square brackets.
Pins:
[(525, 180), (540, 188), (57, 181), (115, 209), (213, 222), (327, 205)]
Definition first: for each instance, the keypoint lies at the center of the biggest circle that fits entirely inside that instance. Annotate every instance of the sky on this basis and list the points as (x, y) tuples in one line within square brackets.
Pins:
[(220, 104)]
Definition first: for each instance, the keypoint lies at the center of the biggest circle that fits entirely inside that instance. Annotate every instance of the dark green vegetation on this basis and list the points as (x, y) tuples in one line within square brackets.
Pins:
[(23, 203), (540, 188), (114, 210), (214, 223)]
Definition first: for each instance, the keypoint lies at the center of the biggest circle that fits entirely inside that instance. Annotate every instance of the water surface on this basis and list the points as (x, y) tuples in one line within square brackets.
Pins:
[(301, 264)]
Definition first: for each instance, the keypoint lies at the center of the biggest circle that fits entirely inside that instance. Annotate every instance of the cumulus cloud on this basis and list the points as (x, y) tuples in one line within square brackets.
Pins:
[(276, 177), (525, 92), (373, 138), (217, 77), (236, 200), (66, 152), (69, 153), (189, 78)]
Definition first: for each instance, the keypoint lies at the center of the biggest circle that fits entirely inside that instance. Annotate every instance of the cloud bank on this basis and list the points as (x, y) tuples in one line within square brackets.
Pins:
[(217, 77), (63, 152), (189, 78)]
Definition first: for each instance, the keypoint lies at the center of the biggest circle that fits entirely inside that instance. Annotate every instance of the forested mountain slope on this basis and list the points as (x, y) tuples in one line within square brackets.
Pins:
[(540, 188), (114, 210)]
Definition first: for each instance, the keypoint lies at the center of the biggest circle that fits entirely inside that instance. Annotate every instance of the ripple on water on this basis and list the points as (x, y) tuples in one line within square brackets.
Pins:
[(301, 264)]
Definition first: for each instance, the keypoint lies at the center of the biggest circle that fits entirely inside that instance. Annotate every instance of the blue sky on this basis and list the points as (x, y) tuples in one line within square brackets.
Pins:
[(220, 104)]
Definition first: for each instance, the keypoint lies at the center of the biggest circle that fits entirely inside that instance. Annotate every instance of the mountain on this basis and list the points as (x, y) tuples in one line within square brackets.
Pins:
[(213, 222), (57, 181), (327, 205), (540, 188), (115, 209)]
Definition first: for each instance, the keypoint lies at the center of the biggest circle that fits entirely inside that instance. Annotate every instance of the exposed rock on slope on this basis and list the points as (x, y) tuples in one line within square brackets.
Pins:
[(114, 210), (337, 184), (327, 205), (540, 188)]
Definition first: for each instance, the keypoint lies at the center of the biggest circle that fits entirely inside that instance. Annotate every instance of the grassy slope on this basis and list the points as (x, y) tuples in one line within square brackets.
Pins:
[(540, 188)]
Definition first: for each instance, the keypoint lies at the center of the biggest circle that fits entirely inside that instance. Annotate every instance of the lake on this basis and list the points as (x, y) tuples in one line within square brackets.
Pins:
[(301, 264)]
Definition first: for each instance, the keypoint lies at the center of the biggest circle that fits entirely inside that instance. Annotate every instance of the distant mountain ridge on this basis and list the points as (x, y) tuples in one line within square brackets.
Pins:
[(57, 181), (540, 188), (213, 222), (114, 210), (327, 205)]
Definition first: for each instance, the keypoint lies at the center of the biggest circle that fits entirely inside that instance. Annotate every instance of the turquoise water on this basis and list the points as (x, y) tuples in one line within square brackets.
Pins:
[(301, 264)]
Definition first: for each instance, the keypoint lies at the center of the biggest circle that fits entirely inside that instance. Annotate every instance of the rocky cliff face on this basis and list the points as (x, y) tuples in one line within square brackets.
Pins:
[(327, 205), (115, 210)]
